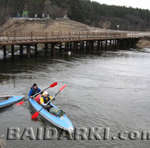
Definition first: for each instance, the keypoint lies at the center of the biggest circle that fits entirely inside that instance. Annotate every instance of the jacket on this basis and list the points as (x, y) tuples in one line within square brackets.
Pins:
[(33, 91)]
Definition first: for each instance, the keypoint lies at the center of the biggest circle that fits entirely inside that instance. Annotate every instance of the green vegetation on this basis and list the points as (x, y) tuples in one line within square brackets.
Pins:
[(85, 11)]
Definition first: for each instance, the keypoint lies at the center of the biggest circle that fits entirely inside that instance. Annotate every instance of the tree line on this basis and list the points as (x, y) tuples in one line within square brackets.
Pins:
[(85, 11)]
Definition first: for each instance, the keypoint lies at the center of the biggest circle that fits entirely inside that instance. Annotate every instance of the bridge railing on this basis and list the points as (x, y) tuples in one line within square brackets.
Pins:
[(60, 36)]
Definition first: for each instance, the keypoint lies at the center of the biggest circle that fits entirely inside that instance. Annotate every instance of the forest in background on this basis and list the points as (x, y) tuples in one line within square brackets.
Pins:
[(85, 11)]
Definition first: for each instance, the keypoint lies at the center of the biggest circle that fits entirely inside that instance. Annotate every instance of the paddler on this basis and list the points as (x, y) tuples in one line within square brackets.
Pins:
[(45, 100), (34, 90)]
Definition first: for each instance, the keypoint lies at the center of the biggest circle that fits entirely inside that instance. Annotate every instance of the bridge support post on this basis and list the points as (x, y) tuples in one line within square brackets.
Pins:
[(21, 50), (66, 46), (69, 49), (52, 49), (88, 47), (75, 47), (106, 45), (110, 44), (28, 51), (46, 49), (35, 50), (12, 51), (91, 46), (84, 46), (101, 45), (4, 52), (72, 47), (115, 44), (60, 47), (98, 45)]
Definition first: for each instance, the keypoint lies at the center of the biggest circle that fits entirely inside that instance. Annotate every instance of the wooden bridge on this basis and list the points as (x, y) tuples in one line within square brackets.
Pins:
[(65, 41)]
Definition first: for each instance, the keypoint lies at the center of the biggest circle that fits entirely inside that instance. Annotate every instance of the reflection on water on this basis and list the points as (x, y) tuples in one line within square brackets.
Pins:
[(111, 90)]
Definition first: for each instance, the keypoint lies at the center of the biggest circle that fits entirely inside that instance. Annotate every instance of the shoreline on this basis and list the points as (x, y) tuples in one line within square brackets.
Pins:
[(143, 43)]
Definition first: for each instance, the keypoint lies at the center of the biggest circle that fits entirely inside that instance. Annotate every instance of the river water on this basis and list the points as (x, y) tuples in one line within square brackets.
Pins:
[(108, 90)]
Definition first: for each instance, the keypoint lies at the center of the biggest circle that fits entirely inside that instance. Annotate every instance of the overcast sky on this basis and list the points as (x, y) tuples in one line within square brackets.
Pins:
[(145, 4)]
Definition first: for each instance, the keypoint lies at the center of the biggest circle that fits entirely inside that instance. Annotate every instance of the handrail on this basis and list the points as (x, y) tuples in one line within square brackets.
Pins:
[(61, 36)]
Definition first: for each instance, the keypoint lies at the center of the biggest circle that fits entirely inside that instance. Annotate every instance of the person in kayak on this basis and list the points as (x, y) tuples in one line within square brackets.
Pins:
[(34, 90), (45, 100)]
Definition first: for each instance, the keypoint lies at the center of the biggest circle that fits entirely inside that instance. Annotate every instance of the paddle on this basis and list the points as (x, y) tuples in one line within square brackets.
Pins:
[(52, 85), (36, 114)]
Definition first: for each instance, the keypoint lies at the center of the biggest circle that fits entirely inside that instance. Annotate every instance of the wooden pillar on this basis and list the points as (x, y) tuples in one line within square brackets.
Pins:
[(4, 52), (66, 46), (21, 50), (35, 50), (101, 45), (117, 44), (113, 44), (98, 45), (28, 51), (12, 51), (69, 46), (46, 49), (87, 46), (79, 46), (82, 46), (92, 46), (52, 49), (72, 47), (110, 44), (105, 44), (76, 46), (60, 47)]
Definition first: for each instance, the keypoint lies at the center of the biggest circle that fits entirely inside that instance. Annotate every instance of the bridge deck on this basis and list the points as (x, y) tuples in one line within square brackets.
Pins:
[(35, 38)]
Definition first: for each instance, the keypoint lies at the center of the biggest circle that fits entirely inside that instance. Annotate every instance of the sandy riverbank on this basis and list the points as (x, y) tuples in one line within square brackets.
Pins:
[(29, 25), (143, 43)]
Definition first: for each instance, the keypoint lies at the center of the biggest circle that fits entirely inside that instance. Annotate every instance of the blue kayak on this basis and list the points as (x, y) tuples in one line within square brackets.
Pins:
[(10, 101), (62, 122)]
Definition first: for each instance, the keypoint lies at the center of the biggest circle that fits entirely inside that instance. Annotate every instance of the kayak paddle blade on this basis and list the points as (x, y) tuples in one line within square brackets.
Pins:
[(35, 115), (63, 87), (53, 85), (20, 103)]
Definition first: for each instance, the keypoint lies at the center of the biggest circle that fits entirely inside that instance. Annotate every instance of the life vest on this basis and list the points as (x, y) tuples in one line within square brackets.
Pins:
[(44, 100), (37, 98)]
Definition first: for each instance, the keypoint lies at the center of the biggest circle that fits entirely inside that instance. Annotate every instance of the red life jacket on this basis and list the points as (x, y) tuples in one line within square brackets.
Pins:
[(37, 98)]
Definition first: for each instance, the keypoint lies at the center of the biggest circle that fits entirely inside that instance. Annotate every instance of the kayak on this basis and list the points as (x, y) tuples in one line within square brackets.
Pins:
[(62, 122), (10, 101)]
